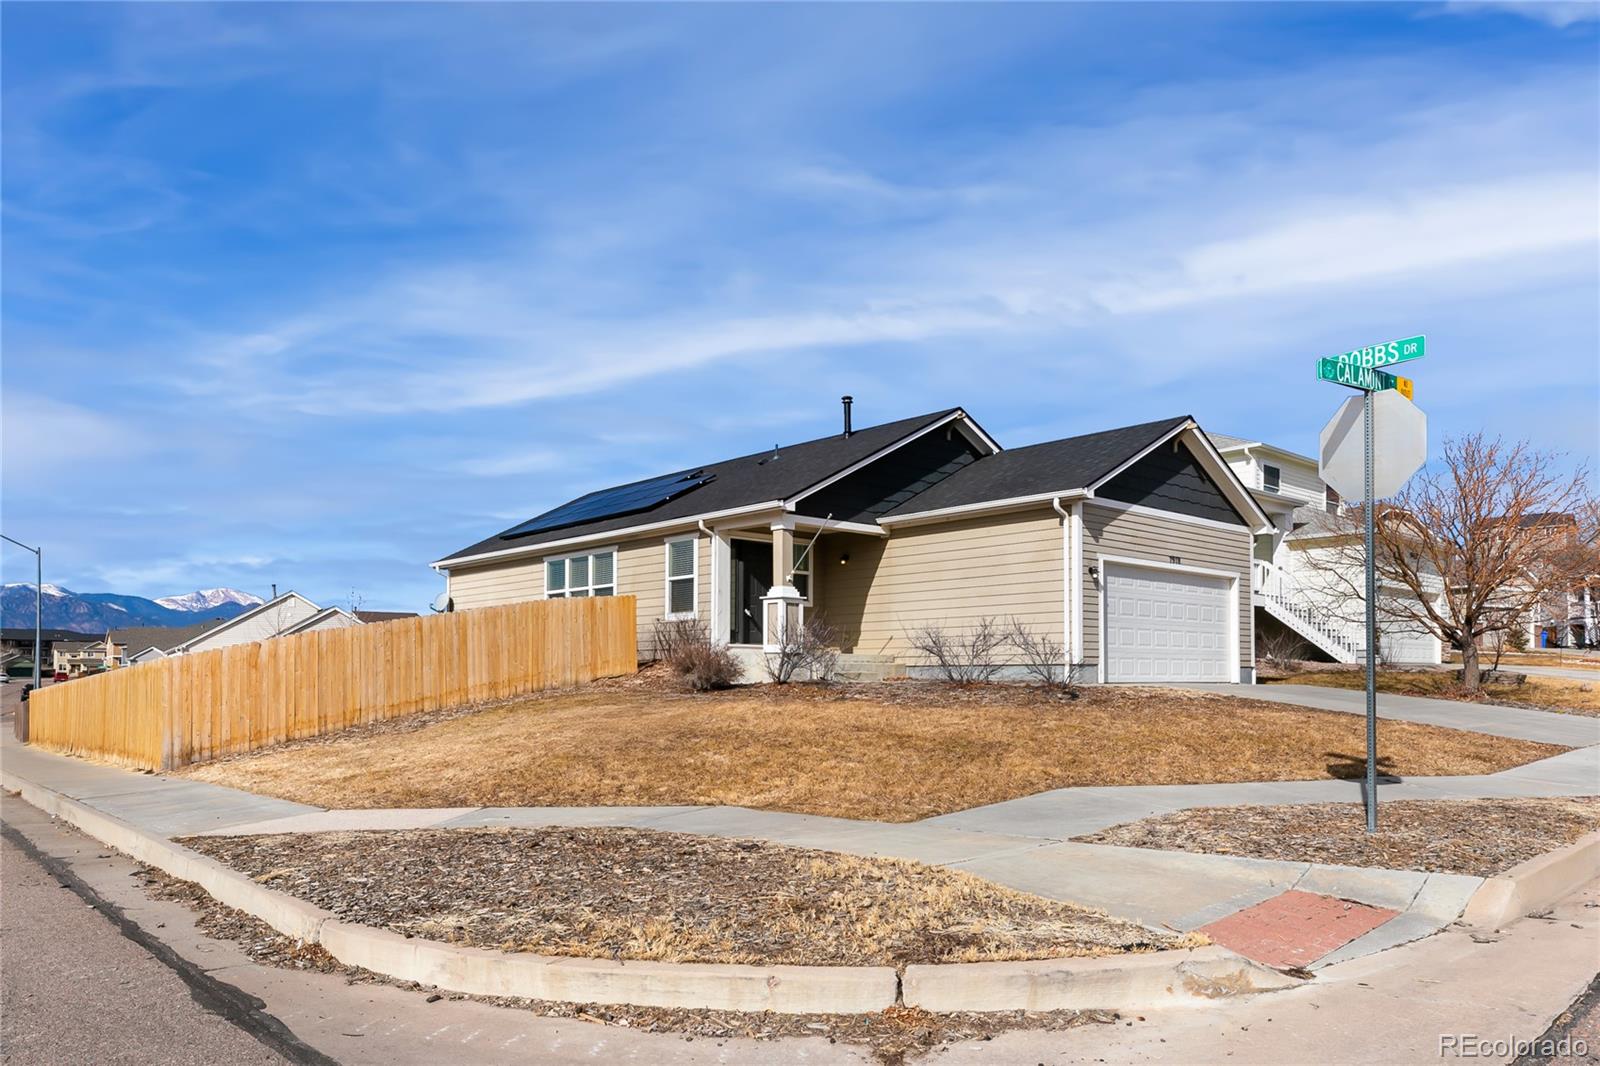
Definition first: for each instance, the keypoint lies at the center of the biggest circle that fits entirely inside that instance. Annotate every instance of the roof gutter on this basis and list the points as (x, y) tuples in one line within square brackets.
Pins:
[(985, 507)]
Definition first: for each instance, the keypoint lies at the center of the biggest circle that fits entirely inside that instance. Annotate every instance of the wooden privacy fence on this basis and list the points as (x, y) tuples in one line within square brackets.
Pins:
[(190, 708)]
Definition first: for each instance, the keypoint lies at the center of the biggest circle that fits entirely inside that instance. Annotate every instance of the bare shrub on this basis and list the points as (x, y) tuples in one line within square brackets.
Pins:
[(1044, 660), (708, 666), (1281, 650), (686, 645), (963, 660), (807, 651), (672, 635)]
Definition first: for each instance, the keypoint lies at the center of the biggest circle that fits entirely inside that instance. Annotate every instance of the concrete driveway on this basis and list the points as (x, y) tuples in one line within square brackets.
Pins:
[(1547, 727)]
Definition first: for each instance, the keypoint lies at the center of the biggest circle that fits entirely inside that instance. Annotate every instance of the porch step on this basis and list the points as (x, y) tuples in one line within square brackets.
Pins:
[(854, 667)]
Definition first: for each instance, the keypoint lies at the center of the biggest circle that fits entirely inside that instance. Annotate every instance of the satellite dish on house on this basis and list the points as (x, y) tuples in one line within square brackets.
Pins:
[(442, 603)]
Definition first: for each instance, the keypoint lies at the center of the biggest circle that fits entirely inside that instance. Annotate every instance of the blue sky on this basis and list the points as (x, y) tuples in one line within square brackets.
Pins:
[(315, 294)]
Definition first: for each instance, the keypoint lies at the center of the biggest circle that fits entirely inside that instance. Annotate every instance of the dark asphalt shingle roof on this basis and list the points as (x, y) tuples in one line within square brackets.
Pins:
[(741, 482), (136, 639), (1037, 469), (384, 616)]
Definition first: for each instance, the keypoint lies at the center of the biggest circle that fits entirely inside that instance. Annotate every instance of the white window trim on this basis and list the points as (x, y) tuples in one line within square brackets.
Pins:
[(1271, 488), (544, 568), (796, 547), (693, 576)]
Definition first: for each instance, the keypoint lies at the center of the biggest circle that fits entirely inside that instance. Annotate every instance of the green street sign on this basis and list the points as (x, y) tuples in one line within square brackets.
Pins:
[(1357, 377), (1376, 355)]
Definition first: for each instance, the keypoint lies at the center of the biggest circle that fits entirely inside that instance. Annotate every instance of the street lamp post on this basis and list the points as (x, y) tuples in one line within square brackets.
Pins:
[(20, 723)]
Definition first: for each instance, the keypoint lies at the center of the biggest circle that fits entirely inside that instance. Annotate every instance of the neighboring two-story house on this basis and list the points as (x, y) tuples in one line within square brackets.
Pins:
[(1298, 583), (75, 657)]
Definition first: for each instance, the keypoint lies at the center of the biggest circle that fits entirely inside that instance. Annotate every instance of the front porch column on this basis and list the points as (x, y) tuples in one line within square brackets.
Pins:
[(782, 608)]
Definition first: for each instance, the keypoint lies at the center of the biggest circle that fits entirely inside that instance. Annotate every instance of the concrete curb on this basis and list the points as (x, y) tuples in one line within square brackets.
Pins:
[(1118, 982), (1126, 982), (480, 971), (1535, 884)]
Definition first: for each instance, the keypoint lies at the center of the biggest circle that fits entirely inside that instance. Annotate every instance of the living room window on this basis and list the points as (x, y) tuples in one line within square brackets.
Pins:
[(587, 574)]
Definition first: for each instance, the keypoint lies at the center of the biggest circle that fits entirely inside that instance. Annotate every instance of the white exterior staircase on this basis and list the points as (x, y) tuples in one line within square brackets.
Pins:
[(1277, 592)]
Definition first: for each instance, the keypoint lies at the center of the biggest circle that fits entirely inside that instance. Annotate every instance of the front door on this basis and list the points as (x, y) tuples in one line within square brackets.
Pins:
[(752, 579)]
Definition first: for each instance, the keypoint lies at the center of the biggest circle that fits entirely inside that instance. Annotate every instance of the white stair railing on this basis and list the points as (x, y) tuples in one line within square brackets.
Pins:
[(1289, 605)]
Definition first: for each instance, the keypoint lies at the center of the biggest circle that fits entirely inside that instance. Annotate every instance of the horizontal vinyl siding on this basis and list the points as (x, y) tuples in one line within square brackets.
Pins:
[(259, 627), (951, 574), (641, 573), (1107, 531)]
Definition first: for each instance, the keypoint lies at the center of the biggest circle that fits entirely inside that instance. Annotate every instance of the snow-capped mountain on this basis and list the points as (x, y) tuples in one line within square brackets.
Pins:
[(96, 612), (205, 599)]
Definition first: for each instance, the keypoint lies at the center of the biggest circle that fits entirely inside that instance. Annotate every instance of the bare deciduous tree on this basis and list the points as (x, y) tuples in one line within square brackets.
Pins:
[(1477, 540)]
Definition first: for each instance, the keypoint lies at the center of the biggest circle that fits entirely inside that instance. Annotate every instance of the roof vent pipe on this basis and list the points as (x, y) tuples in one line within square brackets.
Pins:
[(847, 401)]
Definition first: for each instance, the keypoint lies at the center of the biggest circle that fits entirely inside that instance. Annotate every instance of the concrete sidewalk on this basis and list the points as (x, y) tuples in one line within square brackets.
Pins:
[(1547, 727), (1022, 843)]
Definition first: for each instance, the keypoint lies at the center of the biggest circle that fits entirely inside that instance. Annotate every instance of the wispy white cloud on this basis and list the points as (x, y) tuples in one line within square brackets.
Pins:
[(1557, 13), (1415, 233)]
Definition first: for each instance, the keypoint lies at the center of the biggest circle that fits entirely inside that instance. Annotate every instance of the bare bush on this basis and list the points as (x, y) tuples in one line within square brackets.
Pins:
[(1280, 650), (686, 645), (808, 651), (672, 635), (964, 660), (708, 666), (1043, 659)]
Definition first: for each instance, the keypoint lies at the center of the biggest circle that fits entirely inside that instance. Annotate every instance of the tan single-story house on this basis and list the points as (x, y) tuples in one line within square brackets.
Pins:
[(1130, 548)]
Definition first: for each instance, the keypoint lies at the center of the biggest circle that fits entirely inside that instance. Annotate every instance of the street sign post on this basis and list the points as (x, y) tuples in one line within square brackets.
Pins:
[(1377, 440)]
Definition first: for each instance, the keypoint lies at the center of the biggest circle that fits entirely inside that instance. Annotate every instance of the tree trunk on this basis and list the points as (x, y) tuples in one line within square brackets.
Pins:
[(1470, 677)]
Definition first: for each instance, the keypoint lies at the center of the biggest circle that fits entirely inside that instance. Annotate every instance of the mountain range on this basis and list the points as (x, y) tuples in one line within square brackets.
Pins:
[(96, 612)]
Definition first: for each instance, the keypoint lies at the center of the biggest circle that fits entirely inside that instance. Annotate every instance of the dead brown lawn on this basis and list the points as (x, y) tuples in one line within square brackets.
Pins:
[(1480, 837), (1564, 657), (895, 752), (645, 894), (1539, 693)]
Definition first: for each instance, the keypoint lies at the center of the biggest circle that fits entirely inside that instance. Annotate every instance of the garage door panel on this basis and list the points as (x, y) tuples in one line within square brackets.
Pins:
[(1165, 626)]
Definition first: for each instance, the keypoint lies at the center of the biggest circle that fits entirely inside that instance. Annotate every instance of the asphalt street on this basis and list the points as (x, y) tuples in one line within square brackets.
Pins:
[(74, 988)]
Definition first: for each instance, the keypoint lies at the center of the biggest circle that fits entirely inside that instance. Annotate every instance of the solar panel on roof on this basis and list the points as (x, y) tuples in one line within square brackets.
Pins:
[(610, 503)]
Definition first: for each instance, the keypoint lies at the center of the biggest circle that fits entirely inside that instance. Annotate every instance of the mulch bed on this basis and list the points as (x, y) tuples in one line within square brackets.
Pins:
[(640, 894), (891, 1035), (1481, 837)]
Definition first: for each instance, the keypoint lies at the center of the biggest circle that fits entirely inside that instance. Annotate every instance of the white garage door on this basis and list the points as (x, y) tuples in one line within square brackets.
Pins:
[(1165, 626)]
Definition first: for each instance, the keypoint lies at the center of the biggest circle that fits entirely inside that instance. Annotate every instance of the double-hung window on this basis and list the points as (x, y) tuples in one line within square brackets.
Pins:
[(1330, 499), (801, 575), (589, 574), (682, 565), (1271, 477)]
